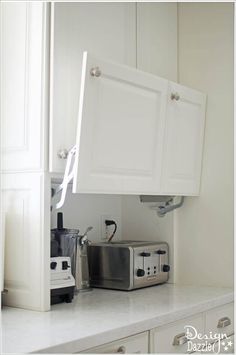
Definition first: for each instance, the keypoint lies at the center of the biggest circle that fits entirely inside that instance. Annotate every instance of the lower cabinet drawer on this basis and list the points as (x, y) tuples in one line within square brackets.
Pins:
[(220, 320), (171, 338), (137, 344)]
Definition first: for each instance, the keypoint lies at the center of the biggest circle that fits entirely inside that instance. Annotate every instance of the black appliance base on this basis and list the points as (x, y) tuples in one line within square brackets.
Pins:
[(64, 294)]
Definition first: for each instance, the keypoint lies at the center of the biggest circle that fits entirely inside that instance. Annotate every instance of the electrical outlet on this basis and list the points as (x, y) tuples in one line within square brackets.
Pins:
[(106, 231)]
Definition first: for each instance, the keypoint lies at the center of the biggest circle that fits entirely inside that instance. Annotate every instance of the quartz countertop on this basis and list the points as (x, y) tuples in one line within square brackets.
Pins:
[(102, 316)]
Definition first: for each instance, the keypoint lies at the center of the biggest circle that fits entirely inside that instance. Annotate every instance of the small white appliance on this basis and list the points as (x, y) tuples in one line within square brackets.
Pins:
[(62, 281)]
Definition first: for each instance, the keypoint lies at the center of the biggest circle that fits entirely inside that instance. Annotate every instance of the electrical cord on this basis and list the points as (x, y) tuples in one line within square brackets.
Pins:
[(110, 223)]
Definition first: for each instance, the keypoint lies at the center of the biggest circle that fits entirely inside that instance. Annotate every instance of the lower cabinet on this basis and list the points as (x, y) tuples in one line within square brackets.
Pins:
[(207, 332), (171, 338), (136, 344)]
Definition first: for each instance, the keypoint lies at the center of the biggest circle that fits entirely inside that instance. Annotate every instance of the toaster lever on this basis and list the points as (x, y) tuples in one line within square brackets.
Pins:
[(160, 252), (145, 254)]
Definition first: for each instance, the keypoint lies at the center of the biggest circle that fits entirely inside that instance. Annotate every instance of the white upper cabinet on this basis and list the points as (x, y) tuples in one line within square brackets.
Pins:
[(23, 74), (183, 143), (120, 129), (105, 29)]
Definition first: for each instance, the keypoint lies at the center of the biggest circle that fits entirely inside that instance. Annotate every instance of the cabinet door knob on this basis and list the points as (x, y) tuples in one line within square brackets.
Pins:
[(96, 72), (223, 322), (175, 96), (62, 153), (180, 339), (121, 350)]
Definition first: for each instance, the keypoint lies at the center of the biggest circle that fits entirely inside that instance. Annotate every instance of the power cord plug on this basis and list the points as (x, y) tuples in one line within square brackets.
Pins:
[(109, 222)]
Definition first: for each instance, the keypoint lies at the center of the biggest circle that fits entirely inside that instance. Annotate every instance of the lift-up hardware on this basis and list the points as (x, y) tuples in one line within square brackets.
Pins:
[(68, 176), (163, 204)]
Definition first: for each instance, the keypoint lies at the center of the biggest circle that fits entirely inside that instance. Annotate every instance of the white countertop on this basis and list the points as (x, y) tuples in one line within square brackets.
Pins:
[(102, 316)]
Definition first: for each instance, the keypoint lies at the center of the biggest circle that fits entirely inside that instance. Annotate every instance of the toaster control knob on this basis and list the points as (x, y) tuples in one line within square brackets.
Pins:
[(160, 252), (145, 254), (53, 265), (166, 268), (140, 272)]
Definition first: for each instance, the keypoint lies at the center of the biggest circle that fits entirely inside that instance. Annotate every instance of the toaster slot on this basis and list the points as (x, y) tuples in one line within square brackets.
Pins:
[(147, 265)]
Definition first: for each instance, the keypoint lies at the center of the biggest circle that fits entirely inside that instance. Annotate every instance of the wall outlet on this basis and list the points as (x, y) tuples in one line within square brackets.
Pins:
[(106, 231)]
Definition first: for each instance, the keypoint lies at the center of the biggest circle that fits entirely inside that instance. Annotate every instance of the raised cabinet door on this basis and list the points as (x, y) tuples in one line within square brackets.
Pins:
[(183, 142), (105, 29), (120, 129)]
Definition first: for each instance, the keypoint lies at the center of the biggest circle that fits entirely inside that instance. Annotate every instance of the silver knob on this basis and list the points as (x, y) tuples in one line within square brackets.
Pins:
[(180, 339), (95, 72), (223, 322), (175, 96), (62, 153), (121, 350)]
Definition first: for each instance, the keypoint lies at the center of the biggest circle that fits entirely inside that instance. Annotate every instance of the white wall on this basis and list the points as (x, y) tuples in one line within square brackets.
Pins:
[(83, 210), (204, 226)]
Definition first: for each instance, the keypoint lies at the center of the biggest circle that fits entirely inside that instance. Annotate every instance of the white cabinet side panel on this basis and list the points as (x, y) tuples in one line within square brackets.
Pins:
[(26, 208)]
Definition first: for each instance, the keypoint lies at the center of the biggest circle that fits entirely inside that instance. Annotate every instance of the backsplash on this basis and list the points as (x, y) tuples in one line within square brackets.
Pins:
[(83, 210)]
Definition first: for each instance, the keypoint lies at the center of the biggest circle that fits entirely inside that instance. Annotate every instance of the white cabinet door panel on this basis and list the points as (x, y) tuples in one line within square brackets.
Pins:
[(120, 130), (105, 29), (136, 344), (23, 77), (183, 145)]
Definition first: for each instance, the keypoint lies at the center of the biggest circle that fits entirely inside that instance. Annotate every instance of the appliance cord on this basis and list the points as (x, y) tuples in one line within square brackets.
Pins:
[(109, 223)]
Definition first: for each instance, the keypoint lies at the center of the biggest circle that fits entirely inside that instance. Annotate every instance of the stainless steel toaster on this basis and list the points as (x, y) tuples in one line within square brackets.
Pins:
[(128, 265)]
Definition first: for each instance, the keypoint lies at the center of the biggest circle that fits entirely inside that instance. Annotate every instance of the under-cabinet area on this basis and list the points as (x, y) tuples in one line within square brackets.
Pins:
[(116, 177)]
